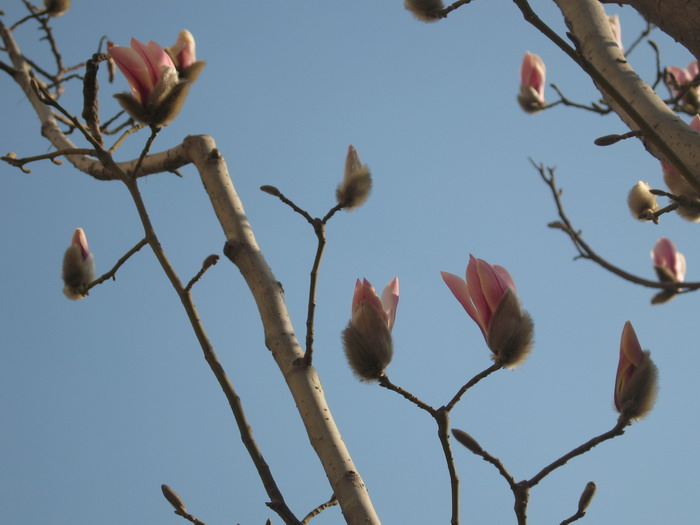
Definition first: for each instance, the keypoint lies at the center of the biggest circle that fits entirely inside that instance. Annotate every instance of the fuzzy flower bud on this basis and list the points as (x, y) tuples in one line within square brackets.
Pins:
[(367, 338), (357, 182), (532, 79), (173, 498), (586, 496), (636, 381), (425, 10), (466, 440), (157, 92), (56, 7), (78, 267), (489, 297), (641, 201)]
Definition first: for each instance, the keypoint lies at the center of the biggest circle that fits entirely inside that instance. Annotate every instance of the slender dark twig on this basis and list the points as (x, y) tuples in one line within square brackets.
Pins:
[(586, 252), (617, 430), (384, 382), (208, 263), (111, 274), (154, 133), (473, 381), (645, 33), (594, 107)]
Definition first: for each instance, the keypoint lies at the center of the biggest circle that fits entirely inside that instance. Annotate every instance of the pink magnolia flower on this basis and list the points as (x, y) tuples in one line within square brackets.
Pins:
[(78, 266), (490, 298), (532, 81), (635, 383), (144, 66), (668, 261), (366, 297), (676, 77), (367, 338), (183, 51)]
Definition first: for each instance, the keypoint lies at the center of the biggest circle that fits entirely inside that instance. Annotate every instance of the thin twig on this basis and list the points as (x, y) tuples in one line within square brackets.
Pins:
[(454, 6), (594, 107), (645, 33), (586, 252), (320, 231), (111, 274), (154, 133), (19, 163), (617, 430), (208, 263), (473, 381), (384, 382), (323, 506), (128, 132)]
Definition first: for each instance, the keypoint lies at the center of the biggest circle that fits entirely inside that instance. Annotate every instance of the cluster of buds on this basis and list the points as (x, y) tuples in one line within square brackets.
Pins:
[(636, 380), (679, 80), (532, 80), (669, 264), (357, 182), (367, 338), (159, 79), (78, 267), (490, 298), (425, 10)]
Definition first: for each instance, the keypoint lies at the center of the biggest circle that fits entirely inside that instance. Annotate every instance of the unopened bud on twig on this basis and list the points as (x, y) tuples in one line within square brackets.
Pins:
[(465, 439), (641, 201), (357, 182), (367, 338), (271, 190), (425, 10), (636, 381), (56, 7), (586, 496), (78, 266), (172, 498)]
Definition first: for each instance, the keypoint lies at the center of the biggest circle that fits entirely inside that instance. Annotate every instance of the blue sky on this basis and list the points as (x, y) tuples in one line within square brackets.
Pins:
[(105, 399)]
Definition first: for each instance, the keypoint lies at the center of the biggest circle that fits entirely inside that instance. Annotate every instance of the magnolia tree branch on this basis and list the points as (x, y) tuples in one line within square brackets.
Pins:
[(664, 134), (303, 382)]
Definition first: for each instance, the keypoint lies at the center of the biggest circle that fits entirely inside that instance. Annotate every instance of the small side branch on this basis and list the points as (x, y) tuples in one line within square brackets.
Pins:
[(323, 506), (12, 159), (111, 274), (586, 252), (617, 430), (473, 381), (384, 382), (208, 263)]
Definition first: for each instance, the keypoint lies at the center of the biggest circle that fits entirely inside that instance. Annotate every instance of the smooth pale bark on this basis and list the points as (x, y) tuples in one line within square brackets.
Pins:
[(303, 382), (588, 22)]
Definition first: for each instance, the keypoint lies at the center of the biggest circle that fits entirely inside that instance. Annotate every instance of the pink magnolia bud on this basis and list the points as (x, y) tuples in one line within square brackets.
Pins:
[(636, 381), (489, 297), (184, 57), (357, 182), (676, 79), (532, 80), (668, 261), (616, 30), (182, 51), (78, 267), (157, 91), (367, 338)]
